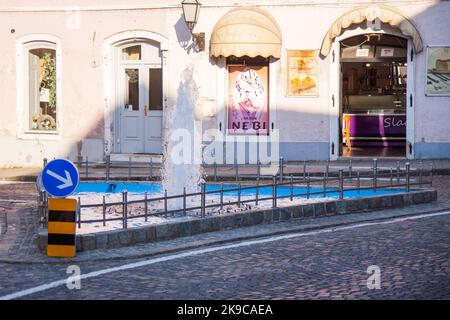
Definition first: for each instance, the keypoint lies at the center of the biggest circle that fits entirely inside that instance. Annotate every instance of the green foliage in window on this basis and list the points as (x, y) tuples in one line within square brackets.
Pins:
[(49, 79)]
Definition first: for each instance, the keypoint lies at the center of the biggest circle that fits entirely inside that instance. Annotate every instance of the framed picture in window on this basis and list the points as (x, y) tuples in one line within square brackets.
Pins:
[(438, 71), (302, 73)]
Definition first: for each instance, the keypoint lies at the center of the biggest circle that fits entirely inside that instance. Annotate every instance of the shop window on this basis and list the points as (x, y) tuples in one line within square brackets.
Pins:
[(42, 87)]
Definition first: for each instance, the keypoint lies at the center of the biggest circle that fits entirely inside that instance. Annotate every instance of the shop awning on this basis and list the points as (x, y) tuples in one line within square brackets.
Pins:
[(246, 31), (370, 13)]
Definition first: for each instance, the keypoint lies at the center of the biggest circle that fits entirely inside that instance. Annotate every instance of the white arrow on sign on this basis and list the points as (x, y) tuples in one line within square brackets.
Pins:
[(67, 181)]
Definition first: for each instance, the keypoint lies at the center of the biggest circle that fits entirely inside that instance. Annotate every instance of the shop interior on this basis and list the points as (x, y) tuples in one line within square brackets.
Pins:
[(373, 110)]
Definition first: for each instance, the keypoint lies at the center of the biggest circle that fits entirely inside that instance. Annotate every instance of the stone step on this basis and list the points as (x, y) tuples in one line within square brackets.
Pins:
[(142, 158)]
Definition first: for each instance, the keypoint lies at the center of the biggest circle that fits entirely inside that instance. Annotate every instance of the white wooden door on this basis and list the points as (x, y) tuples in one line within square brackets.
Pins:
[(141, 110), (132, 109), (153, 110)]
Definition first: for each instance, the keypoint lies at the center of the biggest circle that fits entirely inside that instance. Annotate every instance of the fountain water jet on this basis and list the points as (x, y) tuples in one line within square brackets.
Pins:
[(183, 142)]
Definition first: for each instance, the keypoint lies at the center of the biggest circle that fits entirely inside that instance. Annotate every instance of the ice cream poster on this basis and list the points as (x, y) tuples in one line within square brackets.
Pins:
[(248, 111), (302, 73)]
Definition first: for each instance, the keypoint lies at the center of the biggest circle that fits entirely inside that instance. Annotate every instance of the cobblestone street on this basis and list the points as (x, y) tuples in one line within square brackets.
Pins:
[(413, 256)]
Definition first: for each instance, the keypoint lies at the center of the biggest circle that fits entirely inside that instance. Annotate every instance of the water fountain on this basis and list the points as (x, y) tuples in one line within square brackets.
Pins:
[(182, 150)]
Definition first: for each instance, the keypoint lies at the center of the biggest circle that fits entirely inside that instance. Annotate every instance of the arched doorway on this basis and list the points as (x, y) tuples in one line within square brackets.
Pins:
[(377, 22), (135, 86), (373, 72)]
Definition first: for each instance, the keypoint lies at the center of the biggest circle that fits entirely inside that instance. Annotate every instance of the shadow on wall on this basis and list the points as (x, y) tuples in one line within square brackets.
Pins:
[(184, 36), (302, 149)]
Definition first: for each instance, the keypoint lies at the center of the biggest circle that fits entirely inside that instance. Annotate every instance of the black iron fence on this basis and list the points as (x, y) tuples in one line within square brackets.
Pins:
[(330, 183)]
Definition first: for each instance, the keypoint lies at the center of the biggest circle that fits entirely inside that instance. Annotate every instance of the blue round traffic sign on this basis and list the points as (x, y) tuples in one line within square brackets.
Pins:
[(60, 178)]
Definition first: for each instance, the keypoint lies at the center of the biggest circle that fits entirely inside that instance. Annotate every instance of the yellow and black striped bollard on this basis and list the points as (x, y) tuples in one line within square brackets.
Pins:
[(61, 227)]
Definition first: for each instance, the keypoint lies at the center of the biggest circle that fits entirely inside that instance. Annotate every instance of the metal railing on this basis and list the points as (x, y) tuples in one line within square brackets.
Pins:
[(335, 184), (111, 170)]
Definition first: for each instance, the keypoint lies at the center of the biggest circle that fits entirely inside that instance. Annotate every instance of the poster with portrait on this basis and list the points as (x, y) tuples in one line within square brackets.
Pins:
[(302, 73), (438, 71), (248, 103)]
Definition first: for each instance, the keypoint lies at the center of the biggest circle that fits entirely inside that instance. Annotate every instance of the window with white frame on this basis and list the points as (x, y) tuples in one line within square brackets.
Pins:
[(40, 84)]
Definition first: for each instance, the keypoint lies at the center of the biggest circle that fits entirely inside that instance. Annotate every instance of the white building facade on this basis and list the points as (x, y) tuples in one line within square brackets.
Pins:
[(80, 79)]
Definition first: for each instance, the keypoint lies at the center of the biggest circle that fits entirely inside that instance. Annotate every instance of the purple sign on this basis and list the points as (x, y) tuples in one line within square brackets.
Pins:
[(377, 130)]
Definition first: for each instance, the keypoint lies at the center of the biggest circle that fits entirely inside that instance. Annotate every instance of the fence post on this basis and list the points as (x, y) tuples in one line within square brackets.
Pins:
[(304, 170), (324, 184), (391, 177), (221, 197), (104, 210), (350, 169), (407, 176), (375, 174), (215, 171), (398, 172), (87, 167), (146, 206), (258, 170), (308, 182), (257, 192), (79, 212), (281, 164), (129, 168), (107, 166), (124, 209), (420, 172), (184, 201), (239, 195), (292, 188), (165, 202), (203, 200), (431, 174), (40, 210), (151, 168), (341, 184), (46, 207), (274, 191), (358, 181)]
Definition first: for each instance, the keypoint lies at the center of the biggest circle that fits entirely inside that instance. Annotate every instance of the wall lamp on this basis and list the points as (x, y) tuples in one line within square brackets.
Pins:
[(191, 11)]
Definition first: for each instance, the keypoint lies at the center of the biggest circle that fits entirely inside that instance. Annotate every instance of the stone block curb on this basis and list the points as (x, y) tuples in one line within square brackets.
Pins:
[(171, 230)]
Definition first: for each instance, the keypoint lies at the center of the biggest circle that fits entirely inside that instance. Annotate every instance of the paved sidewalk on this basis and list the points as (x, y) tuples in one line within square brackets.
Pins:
[(440, 166)]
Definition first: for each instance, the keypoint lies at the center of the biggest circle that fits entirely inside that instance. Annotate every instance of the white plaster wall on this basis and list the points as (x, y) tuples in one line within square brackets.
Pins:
[(303, 27)]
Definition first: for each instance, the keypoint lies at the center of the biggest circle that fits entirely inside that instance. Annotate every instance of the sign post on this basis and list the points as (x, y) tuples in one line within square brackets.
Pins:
[(60, 179)]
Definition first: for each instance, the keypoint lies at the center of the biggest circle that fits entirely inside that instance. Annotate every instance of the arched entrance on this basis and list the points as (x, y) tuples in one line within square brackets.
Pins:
[(370, 37), (135, 86), (246, 44)]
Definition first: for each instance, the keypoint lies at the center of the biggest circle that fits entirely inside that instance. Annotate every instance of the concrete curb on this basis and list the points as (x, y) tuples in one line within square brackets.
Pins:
[(172, 230)]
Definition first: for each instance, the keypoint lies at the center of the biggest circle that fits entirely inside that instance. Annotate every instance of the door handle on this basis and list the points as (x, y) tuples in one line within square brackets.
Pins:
[(146, 110)]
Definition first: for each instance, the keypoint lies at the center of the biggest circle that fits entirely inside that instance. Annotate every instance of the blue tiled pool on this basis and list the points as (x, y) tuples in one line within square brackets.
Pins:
[(156, 188)]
